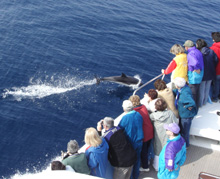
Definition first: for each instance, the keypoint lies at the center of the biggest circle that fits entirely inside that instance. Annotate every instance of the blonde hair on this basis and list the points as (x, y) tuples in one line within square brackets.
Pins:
[(177, 49), (135, 99), (92, 137)]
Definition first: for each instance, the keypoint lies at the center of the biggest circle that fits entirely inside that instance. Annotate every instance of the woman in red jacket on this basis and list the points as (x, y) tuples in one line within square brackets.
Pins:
[(147, 129)]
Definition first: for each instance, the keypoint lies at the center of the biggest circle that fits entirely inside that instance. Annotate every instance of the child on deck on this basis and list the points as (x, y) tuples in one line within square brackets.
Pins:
[(173, 154)]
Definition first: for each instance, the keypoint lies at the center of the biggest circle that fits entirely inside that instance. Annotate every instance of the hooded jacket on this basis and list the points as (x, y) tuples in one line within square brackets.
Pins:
[(159, 118), (97, 158), (184, 101), (147, 125), (195, 62), (210, 61), (121, 152), (172, 157), (132, 123), (216, 48)]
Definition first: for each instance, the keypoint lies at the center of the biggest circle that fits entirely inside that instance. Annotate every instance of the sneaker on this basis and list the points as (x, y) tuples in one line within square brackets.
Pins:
[(214, 100), (144, 169)]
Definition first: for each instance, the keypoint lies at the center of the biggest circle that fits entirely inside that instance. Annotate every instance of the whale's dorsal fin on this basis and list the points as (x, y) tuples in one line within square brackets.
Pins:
[(123, 75)]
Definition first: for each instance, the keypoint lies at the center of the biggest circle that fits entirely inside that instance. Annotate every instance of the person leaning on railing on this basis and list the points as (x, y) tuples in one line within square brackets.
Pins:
[(132, 124), (147, 129), (160, 117), (167, 95), (97, 154), (121, 155), (149, 100), (178, 66), (57, 165), (74, 159), (186, 106)]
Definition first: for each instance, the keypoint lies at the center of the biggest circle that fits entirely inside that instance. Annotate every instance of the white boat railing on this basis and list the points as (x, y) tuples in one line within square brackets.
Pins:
[(148, 83)]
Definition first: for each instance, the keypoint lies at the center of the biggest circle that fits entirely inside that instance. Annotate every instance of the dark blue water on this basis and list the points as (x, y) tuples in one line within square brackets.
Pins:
[(51, 50)]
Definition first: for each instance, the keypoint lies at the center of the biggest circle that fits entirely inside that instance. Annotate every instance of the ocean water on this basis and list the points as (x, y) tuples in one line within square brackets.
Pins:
[(50, 52)]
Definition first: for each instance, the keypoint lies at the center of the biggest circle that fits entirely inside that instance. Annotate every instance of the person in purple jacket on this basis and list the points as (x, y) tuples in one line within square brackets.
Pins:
[(173, 154), (195, 69)]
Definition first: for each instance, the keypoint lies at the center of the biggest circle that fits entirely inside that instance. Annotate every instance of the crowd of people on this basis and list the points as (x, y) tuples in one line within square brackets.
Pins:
[(155, 128), (200, 67)]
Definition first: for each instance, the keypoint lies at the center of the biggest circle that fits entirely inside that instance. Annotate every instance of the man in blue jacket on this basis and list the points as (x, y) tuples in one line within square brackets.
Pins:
[(185, 105), (195, 69), (132, 124), (173, 154)]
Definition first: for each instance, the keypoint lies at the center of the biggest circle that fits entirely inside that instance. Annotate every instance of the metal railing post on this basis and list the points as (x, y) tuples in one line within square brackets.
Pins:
[(148, 83)]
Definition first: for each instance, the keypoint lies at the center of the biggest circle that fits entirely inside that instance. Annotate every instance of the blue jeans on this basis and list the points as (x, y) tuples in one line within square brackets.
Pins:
[(144, 154), (195, 92), (204, 89), (185, 125), (216, 87), (135, 172)]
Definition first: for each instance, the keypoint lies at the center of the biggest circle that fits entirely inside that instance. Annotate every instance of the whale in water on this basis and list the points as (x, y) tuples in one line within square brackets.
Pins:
[(123, 79)]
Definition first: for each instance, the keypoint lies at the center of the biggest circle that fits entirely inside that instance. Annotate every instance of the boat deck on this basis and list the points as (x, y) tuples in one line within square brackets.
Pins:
[(205, 129), (198, 160), (203, 154), (206, 123)]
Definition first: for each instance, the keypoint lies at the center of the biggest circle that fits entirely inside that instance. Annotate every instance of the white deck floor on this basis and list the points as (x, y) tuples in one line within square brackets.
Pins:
[(206, 127)]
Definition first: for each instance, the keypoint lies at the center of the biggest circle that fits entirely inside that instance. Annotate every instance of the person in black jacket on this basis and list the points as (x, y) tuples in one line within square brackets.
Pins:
[(210, 62), (121, 155)]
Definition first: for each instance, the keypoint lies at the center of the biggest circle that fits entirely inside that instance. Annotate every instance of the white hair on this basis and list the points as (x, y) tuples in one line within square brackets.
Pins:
[(127, 105), (109, 122), (180, 82)]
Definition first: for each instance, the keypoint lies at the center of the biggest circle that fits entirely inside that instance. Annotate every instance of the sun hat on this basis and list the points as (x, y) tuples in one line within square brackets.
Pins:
[(72, 146), (173, 127), (188, 43)]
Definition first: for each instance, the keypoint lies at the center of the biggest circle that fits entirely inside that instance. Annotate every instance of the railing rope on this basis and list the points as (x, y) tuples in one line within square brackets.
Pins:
[(148, 83)]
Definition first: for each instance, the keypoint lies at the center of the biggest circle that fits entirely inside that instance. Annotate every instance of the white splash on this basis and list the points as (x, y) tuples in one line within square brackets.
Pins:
[(137, 85), (41, 90)]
